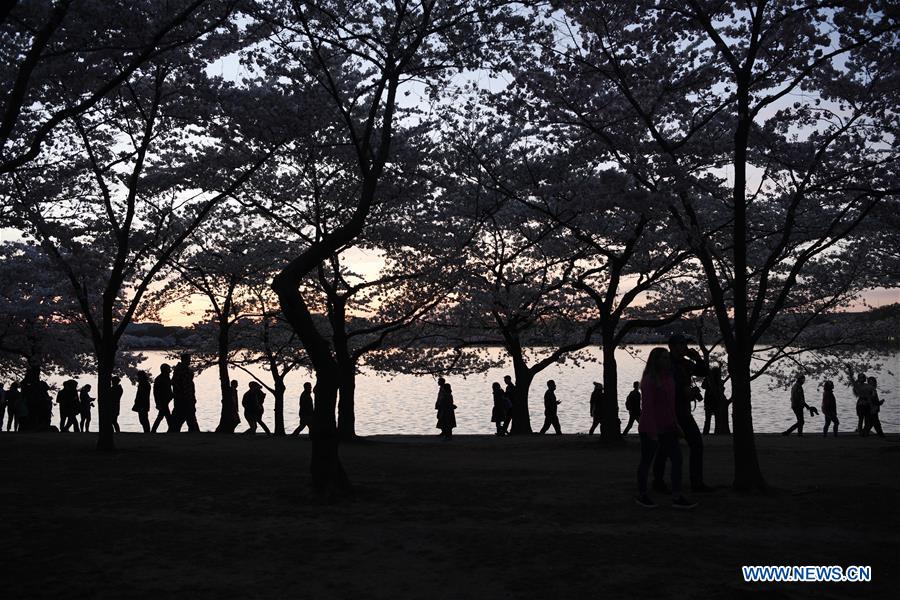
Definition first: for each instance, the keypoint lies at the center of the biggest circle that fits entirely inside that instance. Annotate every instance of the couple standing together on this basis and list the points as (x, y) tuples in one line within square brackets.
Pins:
[(666, 411)]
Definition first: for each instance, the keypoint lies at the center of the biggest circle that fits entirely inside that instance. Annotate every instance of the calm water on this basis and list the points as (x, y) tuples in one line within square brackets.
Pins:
[(405, 404)]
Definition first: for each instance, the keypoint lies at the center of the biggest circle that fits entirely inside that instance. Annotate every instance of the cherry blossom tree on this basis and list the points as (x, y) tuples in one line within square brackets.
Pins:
[(768, 125), (128, 182)]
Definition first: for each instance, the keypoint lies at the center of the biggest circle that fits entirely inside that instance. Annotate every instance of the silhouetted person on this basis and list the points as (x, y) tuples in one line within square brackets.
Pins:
[(874, 408), (498, 410), (13, 397), (307, 409), (115, 402), (67, 400), (446, 410), (862, 391), (551, 418), (85, 402), (658, 427), (510, 391), (36, 393), (183, 393), (162, 395), (253, 407), (713, 396), (2, 405), (596, 406), (686, 364), (438, 403), (798, 404), (633, 406), (829, 409), (142, 400)]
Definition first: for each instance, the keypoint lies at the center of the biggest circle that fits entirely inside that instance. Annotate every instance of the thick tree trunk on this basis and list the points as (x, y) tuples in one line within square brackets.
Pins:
[(747, 474), (610, 426), (328, 475), (279, 406), (521, 416), (106, 364), (347, 404)]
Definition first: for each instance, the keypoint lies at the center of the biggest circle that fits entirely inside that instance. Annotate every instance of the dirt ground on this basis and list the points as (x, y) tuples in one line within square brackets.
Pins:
[(210, 516)]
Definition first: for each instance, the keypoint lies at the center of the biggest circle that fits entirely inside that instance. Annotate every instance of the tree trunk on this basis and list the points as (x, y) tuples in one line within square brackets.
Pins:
[(722, 427), (328, 476), (279, 406), (747, 474), (610, 426), (347, 404), (106, 364), (521, 417), (225, 417)]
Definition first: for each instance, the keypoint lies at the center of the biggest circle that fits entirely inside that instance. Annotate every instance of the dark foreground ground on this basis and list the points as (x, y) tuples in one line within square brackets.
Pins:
[(206, 516)]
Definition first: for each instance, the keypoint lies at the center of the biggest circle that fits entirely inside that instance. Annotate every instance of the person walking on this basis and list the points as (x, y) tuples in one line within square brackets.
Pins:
[(162, 395), (658, 427), (551, 416), (686, 364), (829, 409), (798, 404), (85, 402), (498, 411), (446, 410), (633, 406), (596, 406), (142, 400), (307, 409), (253, 407), (184, 395), (67, 400)]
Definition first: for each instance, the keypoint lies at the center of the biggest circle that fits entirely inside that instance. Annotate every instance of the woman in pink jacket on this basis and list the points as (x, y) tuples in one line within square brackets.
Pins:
[(658, 427)]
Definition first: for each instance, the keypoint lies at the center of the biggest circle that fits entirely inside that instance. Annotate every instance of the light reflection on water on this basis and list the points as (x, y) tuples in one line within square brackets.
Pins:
[(404, 404)]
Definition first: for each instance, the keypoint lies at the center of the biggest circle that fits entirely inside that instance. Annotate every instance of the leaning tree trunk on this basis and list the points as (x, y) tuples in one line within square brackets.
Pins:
[(105, 366), (521, 416), (610, 426)]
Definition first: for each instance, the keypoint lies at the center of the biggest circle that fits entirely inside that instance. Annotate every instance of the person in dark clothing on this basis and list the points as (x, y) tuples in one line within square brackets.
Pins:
[(67, 400), (874, 408), (85, 402), (498, 411), (686, 364), (115, 402), (829, 409), (798, 404), (862, 391), (185, 410), (307, 409), (510, 392), (13, 397), (142, 400), (633, 406), (253, 407), (551, 418), (36, 394), (596, 406), (658, 429), (162, 395), (446, 410), (2, 405)]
